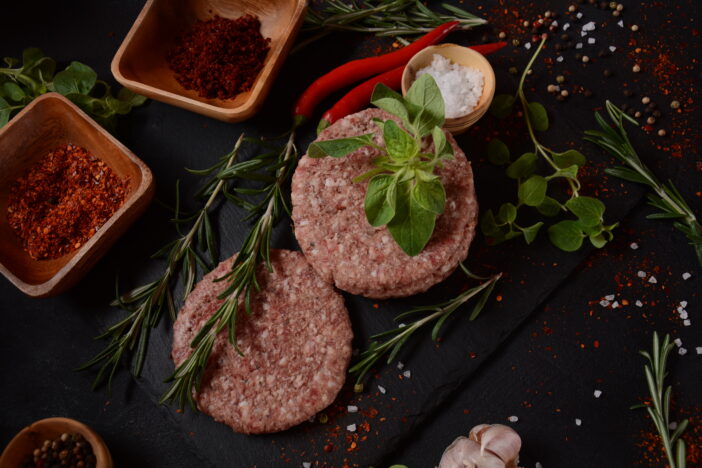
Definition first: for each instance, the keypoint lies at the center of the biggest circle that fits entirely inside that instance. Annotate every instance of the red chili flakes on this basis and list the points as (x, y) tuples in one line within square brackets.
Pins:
[(221, 57), (62, 201)]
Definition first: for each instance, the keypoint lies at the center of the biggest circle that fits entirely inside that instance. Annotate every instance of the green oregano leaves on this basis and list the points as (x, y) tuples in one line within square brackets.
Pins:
[(23, 81), (534, 173), (403, 192)]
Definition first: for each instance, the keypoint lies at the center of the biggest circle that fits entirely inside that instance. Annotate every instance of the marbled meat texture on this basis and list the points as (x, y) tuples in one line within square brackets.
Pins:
[(333, 232), (296, 346)]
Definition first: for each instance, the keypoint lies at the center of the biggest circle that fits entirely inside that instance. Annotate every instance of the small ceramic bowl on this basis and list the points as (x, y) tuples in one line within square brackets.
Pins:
[(140, 63), (462, 56), (33, 436), (47, 123)]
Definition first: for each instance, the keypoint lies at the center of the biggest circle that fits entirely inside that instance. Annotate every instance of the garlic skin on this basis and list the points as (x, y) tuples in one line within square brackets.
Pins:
[(489, 446)]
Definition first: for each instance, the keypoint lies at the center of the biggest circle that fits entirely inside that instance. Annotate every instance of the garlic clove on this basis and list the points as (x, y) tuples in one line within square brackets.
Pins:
[(466, 453), (500, 440)]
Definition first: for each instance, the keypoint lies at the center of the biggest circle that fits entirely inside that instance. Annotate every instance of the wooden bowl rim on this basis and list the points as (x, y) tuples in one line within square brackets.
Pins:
[(102, 453), (143, 189), (240, 112), (458, 124)]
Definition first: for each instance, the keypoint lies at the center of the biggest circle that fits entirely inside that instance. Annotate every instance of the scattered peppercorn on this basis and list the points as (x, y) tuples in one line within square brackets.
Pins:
[(513, 70), (645, 100), (560, 79), (675, 105), (651, 120), (564, 93), (607, 72), (502, 35), (67, 450), (586, 59), (634, 27), (638, 114), (551, 88), (62, 201), (587, 93), (657, 114), (661, 132), (636, 68), (628, 92), (616, 13)]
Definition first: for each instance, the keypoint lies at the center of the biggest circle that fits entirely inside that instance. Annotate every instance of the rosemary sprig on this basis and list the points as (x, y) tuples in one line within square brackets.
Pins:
[(391, 341), (241, 279), (660, 397), (670, 203), (130, 336), (394, 18)]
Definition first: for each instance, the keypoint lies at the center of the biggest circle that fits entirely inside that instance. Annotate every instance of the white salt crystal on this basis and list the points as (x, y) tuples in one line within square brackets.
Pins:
[(559, 58), (407, 374), (678, 342), (351, 428), (687, 323), (527, 46), (578, 422), (589, 26), (699, 349), (604, 303), (652, 280), (538, 465), (381, 389), (683, 303), (597, 393), (566, 26), (352, 409), (306, 465), (683, 314), (639, 304), (615, 304), (461, 87), (400, 365), (633, 246), (554, 23), (591, 40), (682, 351), (579, 45), (579, 15), (612, 48), (686, 276), (513, 419), (583, 33), (609, 297), (620, 23), (641, 274)]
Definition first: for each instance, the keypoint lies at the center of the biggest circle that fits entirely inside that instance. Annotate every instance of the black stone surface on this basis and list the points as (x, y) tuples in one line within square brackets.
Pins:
[(523, 356)]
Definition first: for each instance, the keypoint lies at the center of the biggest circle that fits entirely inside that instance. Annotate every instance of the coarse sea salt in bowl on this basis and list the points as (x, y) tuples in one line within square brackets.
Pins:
[(465, 77)]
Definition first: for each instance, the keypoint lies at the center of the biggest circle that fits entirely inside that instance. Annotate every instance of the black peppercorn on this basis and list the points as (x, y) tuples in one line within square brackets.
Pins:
[(607, 73), (628, 92), (587, 93), (565, 37), (657, 114)]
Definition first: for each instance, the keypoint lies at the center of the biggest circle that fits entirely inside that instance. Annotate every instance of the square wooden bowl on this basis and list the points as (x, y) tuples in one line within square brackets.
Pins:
[(46, 123), (140, 63)]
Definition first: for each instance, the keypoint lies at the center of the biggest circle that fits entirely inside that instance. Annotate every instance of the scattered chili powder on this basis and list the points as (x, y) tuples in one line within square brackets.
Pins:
[(62, 200), (221, 57)]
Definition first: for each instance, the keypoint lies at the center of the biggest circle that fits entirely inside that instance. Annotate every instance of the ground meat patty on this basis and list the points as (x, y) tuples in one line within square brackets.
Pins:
[(332, 229), (296, 345)]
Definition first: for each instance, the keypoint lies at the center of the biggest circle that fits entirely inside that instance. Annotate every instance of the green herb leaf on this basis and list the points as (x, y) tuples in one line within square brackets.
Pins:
[(507, 213), (532, 191), (390, 101), (13, 91), (429, 195), (498, 152), (76, 78), (412, 225), (566, 235), (531, 232), (5, 111), (588, 210), (502, 105), (549, 207), (380, 200), (598, 240), (130, 97), (339, 148), (524, 166), (425, 96), (570, 172), (538, 116), (488, 224), (569, 158), (442, 148), (399, 144)]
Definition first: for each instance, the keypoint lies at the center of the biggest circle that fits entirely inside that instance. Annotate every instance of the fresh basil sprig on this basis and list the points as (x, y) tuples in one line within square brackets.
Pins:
[(403, 192), (534, 173), (23, 81)]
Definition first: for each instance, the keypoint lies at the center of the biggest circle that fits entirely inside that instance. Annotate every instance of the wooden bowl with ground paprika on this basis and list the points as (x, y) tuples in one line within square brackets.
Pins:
[(68, 191), (218, 58)]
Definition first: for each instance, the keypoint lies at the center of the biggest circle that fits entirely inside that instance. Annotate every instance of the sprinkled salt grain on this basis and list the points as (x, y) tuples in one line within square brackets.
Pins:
[(402, 325), (620, 24), (538, 465), (578, 422), (683, 314), (682, 351), (652, 280), (641, 274), (583, 33), (579, 45), (527, 46), (683, 304), (407, 374), (612, 48), (352, 409), (590, 40), (609, 297), (566, 26), (579, 15), (615, 304), (461, 87), (554, 23), (678, 342), (513, 419), (306, 465), (672, 426), (633, 246), (351, 428), (400, 365), (699, 349), (559, 58), (686, 276), (589, 26), (381, 389), (597, 393), (604, 303), (687, 323), (639, 304)]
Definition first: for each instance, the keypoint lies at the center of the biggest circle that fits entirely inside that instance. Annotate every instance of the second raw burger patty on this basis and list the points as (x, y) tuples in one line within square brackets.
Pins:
[(296, 346), (332, 229)]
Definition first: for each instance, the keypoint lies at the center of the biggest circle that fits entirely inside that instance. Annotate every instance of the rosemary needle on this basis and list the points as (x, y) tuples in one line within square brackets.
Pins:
[(241, 279), (659, 410), (129, 337), (395, 338), (670, 203)]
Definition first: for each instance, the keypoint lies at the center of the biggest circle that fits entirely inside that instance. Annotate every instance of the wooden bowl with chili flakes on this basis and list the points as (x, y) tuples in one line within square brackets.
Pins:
[(47, 123), (142, 64), (34, 435)]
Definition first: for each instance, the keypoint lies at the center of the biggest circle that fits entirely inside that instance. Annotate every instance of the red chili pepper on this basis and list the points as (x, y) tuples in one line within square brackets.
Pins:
[(359, 97), (356, 70)]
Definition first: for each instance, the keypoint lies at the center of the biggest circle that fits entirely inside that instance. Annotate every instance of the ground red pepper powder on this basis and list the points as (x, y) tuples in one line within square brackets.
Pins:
[(221, 57), (62, 200)]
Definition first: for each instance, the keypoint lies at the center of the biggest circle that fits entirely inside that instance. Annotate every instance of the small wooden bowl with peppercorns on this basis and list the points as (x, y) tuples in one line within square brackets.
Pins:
[(32, 217), (217, 55), (67, 439)]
